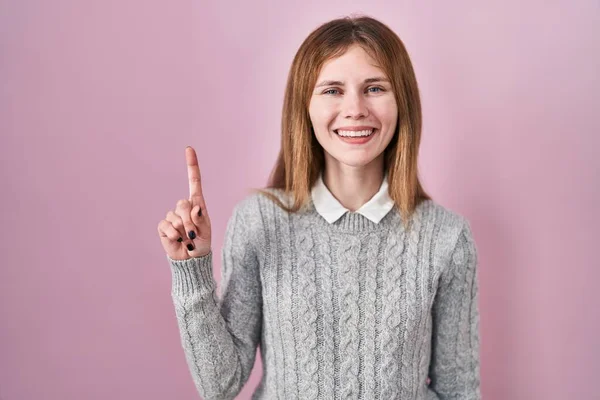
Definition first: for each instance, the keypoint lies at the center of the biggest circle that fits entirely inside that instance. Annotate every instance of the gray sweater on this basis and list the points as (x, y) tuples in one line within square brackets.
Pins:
[(349, 310)]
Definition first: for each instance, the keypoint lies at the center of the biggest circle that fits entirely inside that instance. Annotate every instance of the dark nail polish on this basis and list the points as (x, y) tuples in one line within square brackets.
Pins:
[(192, 235), (190, 247), (200, 212), (180, 240)]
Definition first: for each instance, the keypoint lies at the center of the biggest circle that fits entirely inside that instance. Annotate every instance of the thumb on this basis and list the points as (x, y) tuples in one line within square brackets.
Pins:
[(198, 217)]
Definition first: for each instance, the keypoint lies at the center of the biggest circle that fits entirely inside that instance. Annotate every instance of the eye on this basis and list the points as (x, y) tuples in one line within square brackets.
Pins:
[(376, 87), (329, 90)]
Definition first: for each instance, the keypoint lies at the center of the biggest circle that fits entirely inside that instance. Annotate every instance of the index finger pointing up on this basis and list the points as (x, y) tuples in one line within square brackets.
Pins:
[(193, 176)]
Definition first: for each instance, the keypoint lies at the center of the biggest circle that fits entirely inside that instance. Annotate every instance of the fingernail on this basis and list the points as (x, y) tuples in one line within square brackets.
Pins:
[(192, 235), (190, 247), (200, 212), (180, 240)]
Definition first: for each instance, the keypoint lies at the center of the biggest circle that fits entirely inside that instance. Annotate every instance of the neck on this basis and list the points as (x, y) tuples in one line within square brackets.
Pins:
[(353, 186)]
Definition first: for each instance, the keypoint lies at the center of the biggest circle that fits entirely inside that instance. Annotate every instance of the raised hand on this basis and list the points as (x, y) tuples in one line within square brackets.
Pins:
[(185, 232)]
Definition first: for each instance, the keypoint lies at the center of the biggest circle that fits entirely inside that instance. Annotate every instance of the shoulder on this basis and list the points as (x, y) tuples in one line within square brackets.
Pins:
[(433, 212), (247, 210), (257, 203), (254, 216), (451, 231), (258, 210)]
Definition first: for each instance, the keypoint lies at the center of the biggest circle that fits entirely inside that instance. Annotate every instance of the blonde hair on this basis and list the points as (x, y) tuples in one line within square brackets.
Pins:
[(301, 158)]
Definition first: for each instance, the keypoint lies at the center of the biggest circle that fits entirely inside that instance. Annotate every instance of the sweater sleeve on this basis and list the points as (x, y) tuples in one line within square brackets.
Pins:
[(454, 366), (219, 336)]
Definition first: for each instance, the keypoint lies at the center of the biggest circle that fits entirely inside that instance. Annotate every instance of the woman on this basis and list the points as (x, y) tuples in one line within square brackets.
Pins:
[(352, 280)]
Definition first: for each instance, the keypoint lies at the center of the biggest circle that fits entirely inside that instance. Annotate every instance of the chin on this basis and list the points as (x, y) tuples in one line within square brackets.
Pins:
[(356, 161)]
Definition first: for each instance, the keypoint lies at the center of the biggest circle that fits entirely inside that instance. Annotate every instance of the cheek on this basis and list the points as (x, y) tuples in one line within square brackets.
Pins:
[(315, 113), (322, 111), (322, 122), (388, 117), (392, 118), (389, 111)]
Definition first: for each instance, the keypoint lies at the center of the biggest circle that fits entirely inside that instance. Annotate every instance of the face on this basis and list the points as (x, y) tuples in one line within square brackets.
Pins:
[(352, 93)]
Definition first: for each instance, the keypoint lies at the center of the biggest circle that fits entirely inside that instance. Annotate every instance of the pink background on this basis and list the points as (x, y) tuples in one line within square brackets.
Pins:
[(99, 99)]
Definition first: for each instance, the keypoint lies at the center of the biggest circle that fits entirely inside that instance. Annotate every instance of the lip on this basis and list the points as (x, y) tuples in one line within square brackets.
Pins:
[(354, 128), (357, 141)]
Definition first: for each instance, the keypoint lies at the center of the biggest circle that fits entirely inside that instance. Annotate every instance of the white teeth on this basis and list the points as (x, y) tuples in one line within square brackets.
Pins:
[(355, 133)]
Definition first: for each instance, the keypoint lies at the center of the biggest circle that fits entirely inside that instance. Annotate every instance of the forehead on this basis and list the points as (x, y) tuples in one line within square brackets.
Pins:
[(354, 62)]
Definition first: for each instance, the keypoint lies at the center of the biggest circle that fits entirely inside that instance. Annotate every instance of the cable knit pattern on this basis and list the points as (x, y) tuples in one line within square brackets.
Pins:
[(348, 310), (369, 308), (326, 350), (421, 354), (348, 281), (391, 316), (285, 301), (307, 311), (409, 309)]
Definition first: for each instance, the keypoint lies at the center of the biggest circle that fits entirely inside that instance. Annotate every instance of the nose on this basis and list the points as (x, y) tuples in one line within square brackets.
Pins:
[(354, 106)]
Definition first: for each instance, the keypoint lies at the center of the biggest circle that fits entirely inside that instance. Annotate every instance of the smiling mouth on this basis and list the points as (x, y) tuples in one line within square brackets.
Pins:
[(355, 134)]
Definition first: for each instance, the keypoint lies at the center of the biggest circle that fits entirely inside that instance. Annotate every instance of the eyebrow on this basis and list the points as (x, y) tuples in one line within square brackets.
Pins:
[(340, 83)]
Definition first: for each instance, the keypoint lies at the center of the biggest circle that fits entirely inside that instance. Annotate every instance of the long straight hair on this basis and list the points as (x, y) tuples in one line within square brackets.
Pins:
[(301, 158)]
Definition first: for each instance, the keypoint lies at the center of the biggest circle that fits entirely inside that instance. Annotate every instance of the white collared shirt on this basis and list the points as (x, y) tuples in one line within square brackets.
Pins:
[(331, 209)]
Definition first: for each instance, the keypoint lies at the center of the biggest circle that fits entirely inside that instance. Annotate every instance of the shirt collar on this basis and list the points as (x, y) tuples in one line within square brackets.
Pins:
[(332, 210)]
